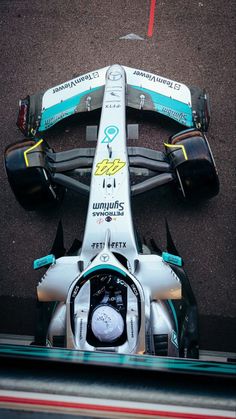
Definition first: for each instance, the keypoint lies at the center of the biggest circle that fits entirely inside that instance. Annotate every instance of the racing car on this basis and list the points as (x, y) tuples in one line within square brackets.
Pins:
[(114, 293)]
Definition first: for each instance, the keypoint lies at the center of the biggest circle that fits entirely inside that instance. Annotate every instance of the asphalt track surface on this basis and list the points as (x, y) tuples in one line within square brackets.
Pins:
[(46, 43)]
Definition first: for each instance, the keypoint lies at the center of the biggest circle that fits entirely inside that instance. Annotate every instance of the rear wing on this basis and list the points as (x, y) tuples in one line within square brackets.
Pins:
[(145, 91)]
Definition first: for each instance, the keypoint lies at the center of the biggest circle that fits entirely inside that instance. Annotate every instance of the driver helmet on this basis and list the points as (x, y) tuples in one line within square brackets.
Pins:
[(107, 323)]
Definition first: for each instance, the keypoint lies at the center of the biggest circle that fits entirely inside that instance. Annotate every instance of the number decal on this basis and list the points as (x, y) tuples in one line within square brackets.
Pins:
[(109, 168)]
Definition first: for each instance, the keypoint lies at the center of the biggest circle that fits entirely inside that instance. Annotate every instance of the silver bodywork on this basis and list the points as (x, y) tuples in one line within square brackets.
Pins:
[(109, 232)]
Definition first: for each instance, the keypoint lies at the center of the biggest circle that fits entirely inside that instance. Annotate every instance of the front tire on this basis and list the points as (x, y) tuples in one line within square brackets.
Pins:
[(193, 163), (29, 178)]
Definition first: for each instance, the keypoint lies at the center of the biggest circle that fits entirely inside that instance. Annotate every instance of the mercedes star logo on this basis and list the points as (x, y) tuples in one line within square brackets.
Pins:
[(104, 257)]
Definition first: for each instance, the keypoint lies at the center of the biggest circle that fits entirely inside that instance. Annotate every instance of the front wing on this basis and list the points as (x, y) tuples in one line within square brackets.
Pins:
[(145, 91)]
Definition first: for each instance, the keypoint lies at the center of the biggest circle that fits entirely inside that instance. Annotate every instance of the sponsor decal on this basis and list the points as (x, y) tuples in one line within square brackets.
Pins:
[(77, 288), (51, 121), (109, 205), (132, 328), (134, 289), (179, 116), (108, 209), (108, 219), (100, 291), (121, 282), (81, 329), (114, 94), (100, 221), (107, 214), (158, 79), (113, 106), (110, 134), (113, 245), (109, 168), (75, 82), (75, 291)]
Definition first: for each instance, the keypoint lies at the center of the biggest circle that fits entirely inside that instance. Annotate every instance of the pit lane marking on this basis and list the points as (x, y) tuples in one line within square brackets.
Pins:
[(151, 18)]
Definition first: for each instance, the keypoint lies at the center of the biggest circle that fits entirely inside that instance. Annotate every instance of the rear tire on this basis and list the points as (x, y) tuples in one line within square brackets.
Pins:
[(193, 164), (31, 185)]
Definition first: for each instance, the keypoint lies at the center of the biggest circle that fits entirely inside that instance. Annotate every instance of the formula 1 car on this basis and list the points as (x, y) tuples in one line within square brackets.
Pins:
[(114, 293)]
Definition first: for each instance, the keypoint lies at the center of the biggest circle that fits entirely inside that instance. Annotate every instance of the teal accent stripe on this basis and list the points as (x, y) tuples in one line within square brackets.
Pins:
[(119, 360), (44, 261), (56, 113), (172, 108), (174, 315), (169, 258), (103, 266)]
